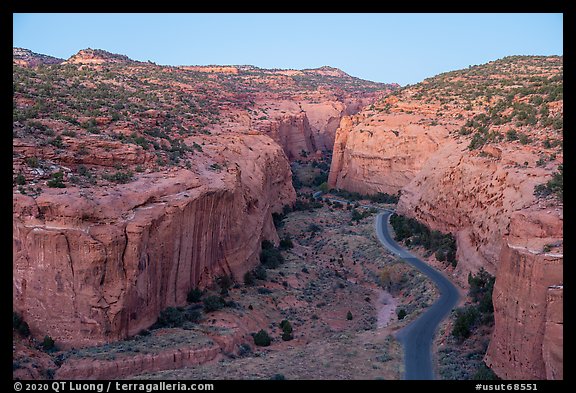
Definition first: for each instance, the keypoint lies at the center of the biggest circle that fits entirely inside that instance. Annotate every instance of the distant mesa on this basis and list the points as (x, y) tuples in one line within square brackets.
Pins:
[(97, 56), (27, 58), (210, 68), (328, 71)]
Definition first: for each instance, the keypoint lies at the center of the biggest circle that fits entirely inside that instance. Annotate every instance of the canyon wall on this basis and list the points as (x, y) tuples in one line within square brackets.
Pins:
[(92, 266), (382, 153), (307, 125), (528, 337)]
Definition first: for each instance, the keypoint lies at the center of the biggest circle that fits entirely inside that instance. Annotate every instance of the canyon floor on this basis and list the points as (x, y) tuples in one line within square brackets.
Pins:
[(329, 272), (334, 267)]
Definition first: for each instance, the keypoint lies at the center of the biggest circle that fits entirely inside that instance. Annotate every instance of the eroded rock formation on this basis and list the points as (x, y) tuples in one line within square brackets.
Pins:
[(97, 265)]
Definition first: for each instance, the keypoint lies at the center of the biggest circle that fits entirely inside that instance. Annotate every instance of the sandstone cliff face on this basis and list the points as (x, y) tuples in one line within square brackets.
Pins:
[(528, 337), (307, 125), (383, 153), (91, 266)]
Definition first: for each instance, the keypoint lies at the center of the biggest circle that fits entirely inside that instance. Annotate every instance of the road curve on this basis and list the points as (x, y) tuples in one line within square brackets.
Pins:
[(417, 337)]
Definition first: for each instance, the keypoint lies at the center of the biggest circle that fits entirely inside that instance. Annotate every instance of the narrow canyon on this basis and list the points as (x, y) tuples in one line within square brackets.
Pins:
[(135, 184)]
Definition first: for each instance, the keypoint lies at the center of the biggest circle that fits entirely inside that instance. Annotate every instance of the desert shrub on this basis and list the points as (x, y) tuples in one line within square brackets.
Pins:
[(213, 303), (20, 179), (260, 272), (511, 135), (349, 316), (56, 181), (171, 317), (244, 350), (286, 330), (554, 186), (119, 177), (267, 244), (249, 279), (286, 242), (443, 244), (20, 325), (32, 162), (401, 314), (224, 282), (194, 295), (465, 320), (48, 344), (485, 373), (524, 139), (271, 258), (440, 255), (262, 339)]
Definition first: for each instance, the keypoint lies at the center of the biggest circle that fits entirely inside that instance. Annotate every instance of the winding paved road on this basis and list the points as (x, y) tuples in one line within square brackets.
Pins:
[(418, 335)]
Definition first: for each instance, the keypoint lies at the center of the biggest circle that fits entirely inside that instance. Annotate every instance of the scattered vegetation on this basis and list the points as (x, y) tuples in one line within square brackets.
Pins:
[(213, 303), (262, 339), (172, 317), (119, 177), (56, 180), (481, 311), (286, 330), (414, 233), (379, 197), (194, 295), (554, 186), (20, 325), (270, 256), (48, 344)]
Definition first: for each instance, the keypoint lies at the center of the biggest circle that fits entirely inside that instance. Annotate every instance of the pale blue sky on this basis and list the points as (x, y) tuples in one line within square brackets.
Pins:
[(402, 48)]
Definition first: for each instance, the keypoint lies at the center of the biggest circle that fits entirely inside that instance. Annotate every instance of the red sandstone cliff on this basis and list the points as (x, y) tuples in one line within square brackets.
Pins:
[(96, 265)]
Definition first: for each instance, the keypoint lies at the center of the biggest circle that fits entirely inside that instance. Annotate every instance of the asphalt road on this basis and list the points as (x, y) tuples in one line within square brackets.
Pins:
[(418, 335)]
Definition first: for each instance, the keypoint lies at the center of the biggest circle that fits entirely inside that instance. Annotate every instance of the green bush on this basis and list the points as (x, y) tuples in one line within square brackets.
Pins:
[(194, 295), (286, 242), (286, 330), (271, 258), (485, 373), (20, 325), (213, 303), (56, 181), (511, 135), (20, 179), (465, 320), (119, 177), (415, 233), (260, 272), (262, 339), (171, 317), (224, 282), (249, 278), (401, 314), (553, 186), (349, 316), (48, 344)]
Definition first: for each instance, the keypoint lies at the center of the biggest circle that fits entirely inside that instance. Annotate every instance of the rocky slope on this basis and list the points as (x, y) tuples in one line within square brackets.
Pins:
[(472, 152), (26, 58), (134, 183)]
